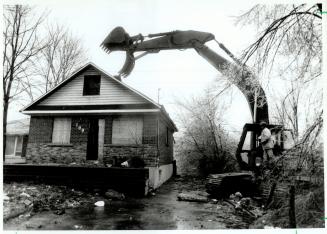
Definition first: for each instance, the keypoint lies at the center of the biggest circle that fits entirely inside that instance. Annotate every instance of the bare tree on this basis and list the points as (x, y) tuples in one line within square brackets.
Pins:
[(289, 30), (63, 54), (205, 140), (287, 111), (288, 48), (21, 45)]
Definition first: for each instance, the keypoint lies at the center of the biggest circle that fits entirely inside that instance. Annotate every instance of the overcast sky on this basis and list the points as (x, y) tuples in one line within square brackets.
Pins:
[(179, 74)]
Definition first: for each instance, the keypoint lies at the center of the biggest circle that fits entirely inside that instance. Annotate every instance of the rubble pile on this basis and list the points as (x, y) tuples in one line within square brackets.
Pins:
[(20, 198), (42, 197), (246, 207)]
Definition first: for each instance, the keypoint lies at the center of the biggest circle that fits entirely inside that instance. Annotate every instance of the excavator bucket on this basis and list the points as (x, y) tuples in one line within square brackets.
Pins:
[(117, 40)]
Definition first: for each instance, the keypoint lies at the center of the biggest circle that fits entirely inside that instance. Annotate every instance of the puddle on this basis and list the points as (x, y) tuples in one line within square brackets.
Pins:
[(159, 212), (130, 224)]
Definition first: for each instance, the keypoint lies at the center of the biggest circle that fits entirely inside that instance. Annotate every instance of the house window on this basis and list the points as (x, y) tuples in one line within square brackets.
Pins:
[(61, 131), (167, 136), (127, 130), (14, 145), (91, 85)]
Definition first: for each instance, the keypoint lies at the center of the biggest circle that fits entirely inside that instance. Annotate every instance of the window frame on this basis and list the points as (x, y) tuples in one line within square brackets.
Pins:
[(87, 91), (15, 146), (67, 130), (123, 122)]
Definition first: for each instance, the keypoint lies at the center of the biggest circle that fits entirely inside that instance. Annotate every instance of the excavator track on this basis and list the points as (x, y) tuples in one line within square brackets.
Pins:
[(222, 185)]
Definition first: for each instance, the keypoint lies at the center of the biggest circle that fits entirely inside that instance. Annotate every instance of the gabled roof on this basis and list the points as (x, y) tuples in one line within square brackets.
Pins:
[(79, 71), (29, 108)]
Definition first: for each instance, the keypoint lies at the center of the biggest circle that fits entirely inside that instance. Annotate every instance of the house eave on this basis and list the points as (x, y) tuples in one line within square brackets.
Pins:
[(88, 112)]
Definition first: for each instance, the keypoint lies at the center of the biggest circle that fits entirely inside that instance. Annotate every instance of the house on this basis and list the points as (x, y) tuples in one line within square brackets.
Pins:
[(94, 118), (16, 140)]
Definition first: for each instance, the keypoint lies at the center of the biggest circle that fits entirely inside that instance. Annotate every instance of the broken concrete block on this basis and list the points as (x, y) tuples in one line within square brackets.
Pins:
[(192, 197)]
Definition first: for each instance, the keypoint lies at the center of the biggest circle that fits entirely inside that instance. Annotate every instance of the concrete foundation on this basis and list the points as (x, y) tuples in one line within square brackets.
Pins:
[(159, 175)]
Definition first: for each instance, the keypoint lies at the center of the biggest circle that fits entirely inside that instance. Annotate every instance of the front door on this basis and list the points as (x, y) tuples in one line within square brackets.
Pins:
[(92, 140)]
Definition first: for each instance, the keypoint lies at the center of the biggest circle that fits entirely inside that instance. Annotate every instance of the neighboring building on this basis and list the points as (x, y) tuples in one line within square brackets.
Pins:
[(16, 140), (93, 118)]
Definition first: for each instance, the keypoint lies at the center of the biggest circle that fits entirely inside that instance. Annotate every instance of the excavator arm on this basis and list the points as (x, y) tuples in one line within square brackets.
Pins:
[(238, 74)]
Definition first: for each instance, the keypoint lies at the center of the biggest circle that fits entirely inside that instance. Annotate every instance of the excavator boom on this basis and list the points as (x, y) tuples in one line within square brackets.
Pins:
[(239, 74), (118, 39)]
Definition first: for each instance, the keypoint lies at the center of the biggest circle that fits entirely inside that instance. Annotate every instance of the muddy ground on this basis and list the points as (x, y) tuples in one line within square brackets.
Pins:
[(160, 211)]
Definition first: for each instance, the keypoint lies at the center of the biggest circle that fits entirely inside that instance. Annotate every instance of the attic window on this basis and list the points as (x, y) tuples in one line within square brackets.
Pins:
[(91, 85)]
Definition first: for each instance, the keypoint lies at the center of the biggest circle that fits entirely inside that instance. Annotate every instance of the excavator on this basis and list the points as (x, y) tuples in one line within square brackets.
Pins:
[(237, 73)]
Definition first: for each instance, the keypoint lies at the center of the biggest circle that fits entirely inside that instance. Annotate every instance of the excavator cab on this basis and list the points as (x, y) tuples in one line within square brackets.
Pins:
[(249, 149)]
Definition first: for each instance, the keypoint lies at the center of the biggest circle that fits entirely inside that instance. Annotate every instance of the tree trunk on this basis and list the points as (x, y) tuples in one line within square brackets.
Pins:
[(5, 114)]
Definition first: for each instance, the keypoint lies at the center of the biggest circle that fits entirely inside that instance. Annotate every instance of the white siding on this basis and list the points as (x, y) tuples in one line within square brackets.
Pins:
[(111, 93)]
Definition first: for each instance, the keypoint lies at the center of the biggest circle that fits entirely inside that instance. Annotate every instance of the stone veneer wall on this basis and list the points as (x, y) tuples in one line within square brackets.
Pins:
[(149, 153), (43, 153), (40, 149)]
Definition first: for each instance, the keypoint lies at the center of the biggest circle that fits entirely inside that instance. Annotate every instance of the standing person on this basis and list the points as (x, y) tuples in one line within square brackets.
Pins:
[(267, 142)]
